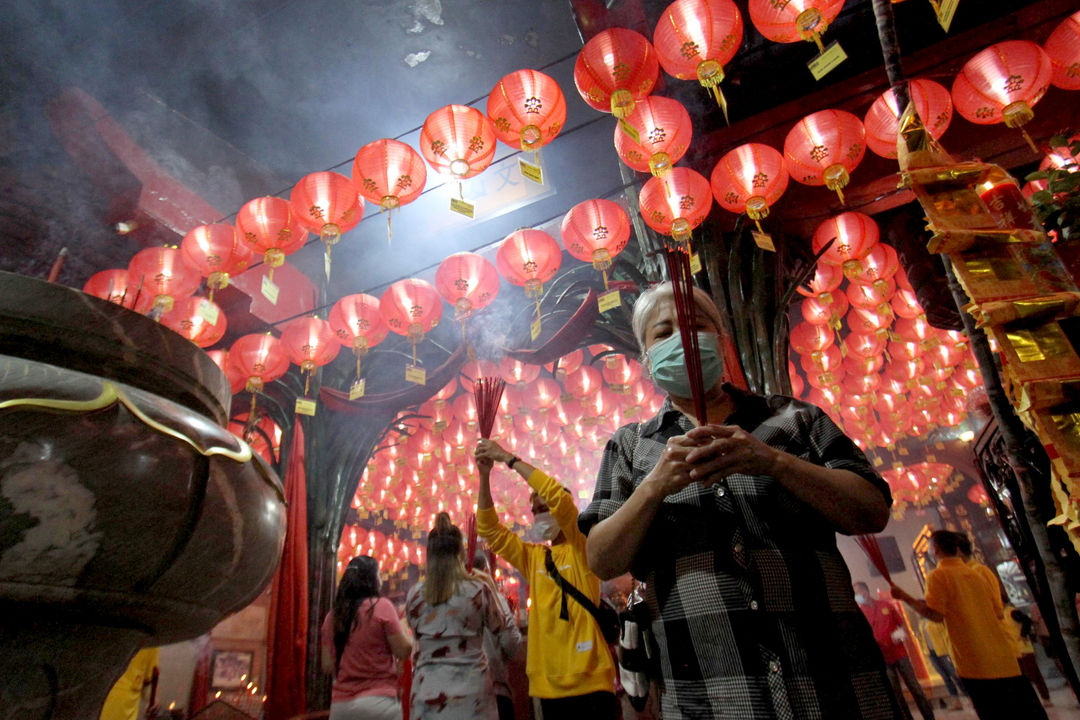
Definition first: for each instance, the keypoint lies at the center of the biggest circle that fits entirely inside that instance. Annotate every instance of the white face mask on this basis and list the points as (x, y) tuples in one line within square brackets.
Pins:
[(861, 599), (544, 526)]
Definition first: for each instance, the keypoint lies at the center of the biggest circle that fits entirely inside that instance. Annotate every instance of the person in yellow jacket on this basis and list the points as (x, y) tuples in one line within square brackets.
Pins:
[(568, 663), (126, 695)]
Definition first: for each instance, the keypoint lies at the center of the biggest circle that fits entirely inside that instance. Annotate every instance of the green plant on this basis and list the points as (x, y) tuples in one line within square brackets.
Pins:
[(1057, 204)]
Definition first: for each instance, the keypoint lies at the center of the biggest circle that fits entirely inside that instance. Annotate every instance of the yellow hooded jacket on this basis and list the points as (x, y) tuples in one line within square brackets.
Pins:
[(565, 658)]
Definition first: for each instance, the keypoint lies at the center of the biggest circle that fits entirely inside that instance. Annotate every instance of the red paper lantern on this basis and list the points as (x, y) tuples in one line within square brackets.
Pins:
[(215, 252), (259, 359), (1063, 48), (663, 131), (866, 346), (882, 121), (615, 69), (676, 204), (795, 20), (189, 318), (267, 226), (527, 109), (529, 258), (1002, 84), (596, 231), (310, 342), (468, 282), (879, 267), (696, 38), (515, 372), (817, 312), (458, 140), (566, 364), (824, 148), (872, 297), (411, 307), (112, 285), (827, 278), (866, 321), (808, 339), (905, 304), (472, 370), (583, 382), (622, 374), (163, 276), (388, 173), (853, 234), (750, 179), (358, 323), (326, 203)]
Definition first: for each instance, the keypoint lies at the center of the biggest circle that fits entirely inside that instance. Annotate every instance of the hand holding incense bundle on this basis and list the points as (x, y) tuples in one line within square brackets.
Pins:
[(488, 392), (870, 546), (682, 282), (470, 542)]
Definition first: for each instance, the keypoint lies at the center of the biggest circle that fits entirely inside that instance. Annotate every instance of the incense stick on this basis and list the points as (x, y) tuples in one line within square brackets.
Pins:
[(488, 392), (682, 282), (870, 546), (470, 546)]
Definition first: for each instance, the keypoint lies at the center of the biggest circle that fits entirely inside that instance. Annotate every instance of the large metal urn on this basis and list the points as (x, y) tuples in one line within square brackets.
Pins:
[(129, 516)]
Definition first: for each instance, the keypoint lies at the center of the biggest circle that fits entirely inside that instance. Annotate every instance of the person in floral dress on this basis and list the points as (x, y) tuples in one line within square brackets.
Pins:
[(448, 611)]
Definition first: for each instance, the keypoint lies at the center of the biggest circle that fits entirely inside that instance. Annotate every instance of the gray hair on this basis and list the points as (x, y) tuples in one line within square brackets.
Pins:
[(645, 308)]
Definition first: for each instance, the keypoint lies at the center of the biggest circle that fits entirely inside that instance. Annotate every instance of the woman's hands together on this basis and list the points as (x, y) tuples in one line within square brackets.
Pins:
[(708, 454), (488, 452)]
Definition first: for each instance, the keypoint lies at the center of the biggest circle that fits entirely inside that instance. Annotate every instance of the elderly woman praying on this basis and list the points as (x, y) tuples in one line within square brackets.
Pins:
[(732, 524)]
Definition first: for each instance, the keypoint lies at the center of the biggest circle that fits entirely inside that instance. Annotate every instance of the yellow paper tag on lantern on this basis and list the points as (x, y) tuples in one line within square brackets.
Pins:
[(208, 311), (270, 290), (608, 301), (416, 534), (305, 406), (695, 263), (827, 61), (462, 208), (362, 514), (534, 329), (763, 241), (531, 172), (630, 130), (946, 10), (356, 391), (415, 374)]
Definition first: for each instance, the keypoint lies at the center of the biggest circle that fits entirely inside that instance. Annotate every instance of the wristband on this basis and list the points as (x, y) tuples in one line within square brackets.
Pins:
[(510, 463)]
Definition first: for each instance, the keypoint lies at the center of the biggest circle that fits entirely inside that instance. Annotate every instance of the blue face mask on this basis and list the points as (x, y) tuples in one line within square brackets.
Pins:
[(668, 364)]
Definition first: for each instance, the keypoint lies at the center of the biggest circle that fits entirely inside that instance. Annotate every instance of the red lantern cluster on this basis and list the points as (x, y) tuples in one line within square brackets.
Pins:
[(919, 484)]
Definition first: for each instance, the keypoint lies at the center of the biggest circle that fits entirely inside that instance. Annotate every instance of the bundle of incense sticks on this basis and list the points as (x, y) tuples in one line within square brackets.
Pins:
[(870, 546), (682, 281), (470, 542), (488, 392)]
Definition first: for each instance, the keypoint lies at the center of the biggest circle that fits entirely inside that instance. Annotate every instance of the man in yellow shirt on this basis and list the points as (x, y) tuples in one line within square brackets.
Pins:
[(569, 665), (971, 609), (126, 695)]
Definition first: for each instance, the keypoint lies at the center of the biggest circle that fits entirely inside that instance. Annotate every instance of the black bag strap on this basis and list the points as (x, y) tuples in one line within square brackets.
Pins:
[(569, 589)]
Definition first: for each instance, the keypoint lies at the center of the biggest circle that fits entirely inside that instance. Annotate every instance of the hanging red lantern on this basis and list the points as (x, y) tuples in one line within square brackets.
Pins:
[(624, 373), (807, 339), (112, 285), (696, 38), (676, 204), (824, 148), (905, 304), (468, 282), (411, 307), (215, 252), (458, 140), (515, 372), (583, 382), (816, 312), (472, 370), (663, 130), (529, 258), (1063, 48), (358, 324), (872, 297), (882, 121), (827, 278), (566, 364), (267, 225), (866, 345), (388, 173), (853, 235), (310, 342), (615, 69), (260, 358), (190, 317), (794, 20), (326, 203), (750, 179), (879, 267), (162, 276), (527, 109), (596, 231), (867, 321), (1002, 84)]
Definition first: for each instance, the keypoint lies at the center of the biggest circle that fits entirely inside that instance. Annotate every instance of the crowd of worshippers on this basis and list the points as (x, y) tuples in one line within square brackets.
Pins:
[(745, 607)]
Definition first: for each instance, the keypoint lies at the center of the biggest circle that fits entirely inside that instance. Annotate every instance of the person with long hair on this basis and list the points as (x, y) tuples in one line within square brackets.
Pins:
[(361, 639), (448, 611)]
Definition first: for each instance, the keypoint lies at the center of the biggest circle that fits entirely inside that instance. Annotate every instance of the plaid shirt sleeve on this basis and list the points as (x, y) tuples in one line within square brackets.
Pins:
[(614, 479), (835, 450)]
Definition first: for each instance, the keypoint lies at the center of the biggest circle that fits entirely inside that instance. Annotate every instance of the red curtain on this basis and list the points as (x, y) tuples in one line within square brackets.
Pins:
[(287, 647)]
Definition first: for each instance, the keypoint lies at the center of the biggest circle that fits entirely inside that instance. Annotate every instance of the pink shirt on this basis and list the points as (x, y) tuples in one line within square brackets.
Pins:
[(367, 666)]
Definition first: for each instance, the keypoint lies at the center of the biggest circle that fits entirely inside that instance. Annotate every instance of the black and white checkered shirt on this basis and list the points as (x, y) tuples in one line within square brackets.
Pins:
[(751, 601)]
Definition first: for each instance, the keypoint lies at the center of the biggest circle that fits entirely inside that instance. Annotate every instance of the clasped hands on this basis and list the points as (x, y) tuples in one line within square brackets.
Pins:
[(709, 453), (488, 452)]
